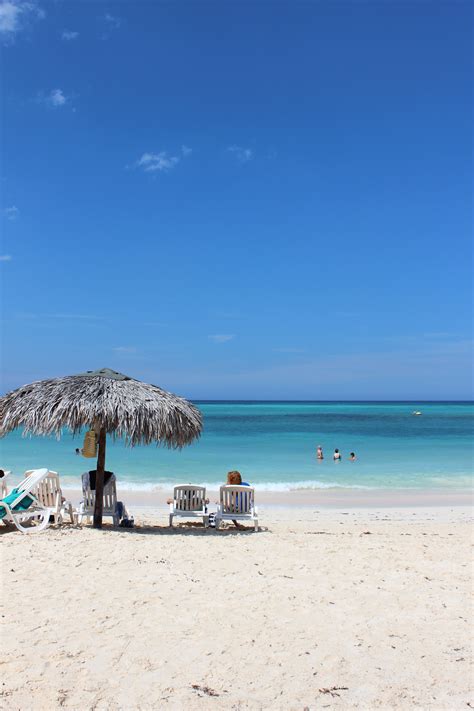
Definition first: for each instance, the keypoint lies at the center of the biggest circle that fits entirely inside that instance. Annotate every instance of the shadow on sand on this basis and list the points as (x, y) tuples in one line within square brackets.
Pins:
[(181, 529)]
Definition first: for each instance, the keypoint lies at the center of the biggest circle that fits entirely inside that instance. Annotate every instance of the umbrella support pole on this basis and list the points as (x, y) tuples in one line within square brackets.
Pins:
[(99, 480)]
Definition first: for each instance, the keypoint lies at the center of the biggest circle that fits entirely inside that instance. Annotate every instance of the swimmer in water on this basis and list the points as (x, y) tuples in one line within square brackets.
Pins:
[(337, 455), (352, 457), (319, 452)]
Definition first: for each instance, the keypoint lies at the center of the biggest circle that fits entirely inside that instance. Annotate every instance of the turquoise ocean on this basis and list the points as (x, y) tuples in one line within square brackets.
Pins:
[(273, 445)]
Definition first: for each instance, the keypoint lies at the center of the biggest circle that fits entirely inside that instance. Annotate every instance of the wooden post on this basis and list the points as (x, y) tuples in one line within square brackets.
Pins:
[(99, 480)]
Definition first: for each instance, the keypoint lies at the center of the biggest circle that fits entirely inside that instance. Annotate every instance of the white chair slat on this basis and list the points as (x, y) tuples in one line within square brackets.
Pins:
[(189, 501), (237, 502), (49, 493), (109, 502)]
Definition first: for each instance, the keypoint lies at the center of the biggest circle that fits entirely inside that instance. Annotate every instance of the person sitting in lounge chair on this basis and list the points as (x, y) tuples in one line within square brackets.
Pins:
[(235, 479)]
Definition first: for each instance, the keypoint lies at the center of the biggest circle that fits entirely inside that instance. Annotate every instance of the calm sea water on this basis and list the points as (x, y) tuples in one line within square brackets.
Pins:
[(273, 445)]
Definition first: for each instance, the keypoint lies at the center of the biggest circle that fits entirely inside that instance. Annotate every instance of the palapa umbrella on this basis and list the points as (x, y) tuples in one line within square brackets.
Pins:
[(108, 402)]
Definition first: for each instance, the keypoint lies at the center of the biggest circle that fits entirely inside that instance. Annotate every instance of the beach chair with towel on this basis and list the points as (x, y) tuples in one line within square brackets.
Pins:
[(21, 506), (48, 492), (189, 501), (236, 503), (111, 507)]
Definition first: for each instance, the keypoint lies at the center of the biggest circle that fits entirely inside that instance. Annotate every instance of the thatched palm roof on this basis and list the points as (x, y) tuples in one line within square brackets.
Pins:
[(123, 406)]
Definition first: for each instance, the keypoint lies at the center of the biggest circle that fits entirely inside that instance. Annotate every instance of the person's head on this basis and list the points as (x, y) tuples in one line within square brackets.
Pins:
[(2, 473), (234, 478), (352, 455), (319, 446), (77, 450), (336, 451)]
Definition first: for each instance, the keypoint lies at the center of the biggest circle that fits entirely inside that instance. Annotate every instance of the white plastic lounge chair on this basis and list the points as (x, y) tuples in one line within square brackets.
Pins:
[(189, 502), (86, 507), (237, 504), (21, 506), (49, 493), (3, 484)]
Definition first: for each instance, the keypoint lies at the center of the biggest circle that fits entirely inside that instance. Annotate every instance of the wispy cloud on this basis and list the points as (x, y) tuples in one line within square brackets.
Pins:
[(5, 257), (112, 23), (243, 155), (68, 35), (435, 371), (152, 162), (15, 15), (55, 99), (222, 337), (59, 315), (11, 213), (124, 349), (161, 162), (434, 335), (289, 350), (88, 317)]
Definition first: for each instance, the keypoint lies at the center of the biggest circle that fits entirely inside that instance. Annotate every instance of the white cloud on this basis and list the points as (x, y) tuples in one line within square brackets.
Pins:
[(5, 258), (151, 162), (56, 98), (15, 15), (162, 161), (11, 213), (69, 35), (243, 155), (222, 337)]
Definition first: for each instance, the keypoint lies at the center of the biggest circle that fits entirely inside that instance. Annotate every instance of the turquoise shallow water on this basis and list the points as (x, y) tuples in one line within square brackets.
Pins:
[(273, 444)]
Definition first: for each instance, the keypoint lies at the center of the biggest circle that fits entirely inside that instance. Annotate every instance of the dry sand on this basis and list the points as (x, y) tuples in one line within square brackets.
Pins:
[(338, 609)]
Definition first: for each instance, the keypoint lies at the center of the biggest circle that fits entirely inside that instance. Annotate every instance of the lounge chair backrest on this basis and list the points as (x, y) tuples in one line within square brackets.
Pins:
[(48, 491), (189, 498), (110, 497), (28, 485), (236, 499)]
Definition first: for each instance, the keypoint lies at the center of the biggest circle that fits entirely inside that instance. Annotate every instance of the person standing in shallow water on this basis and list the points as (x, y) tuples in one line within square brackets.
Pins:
[(352, 457), (337, 455), (319, 452)]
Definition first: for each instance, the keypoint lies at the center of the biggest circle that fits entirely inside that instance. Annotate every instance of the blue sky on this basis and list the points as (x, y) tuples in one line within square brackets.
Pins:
[(239, 200)]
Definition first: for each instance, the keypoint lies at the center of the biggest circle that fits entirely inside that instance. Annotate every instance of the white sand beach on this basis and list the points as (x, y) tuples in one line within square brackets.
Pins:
[(365, 608)]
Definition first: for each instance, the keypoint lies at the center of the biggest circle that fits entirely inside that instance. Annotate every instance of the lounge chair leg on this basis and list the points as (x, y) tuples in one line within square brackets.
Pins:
[(43, 523), (256, 525), (171, 520)]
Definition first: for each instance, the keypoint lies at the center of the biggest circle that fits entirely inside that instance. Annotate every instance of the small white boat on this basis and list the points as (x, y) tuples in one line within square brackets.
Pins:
[(416, 412)]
